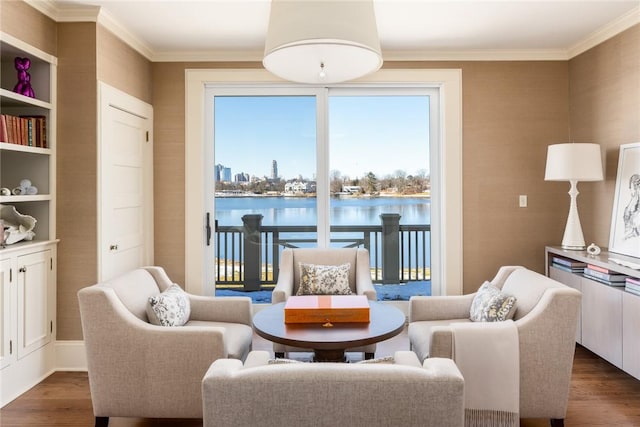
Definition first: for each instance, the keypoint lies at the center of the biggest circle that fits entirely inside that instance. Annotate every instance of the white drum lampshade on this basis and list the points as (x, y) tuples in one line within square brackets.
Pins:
[(573, 162), (322, 41)]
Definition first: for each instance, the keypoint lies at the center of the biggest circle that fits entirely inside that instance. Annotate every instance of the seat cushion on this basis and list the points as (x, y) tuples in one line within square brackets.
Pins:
[(237, 337), (420, 334)]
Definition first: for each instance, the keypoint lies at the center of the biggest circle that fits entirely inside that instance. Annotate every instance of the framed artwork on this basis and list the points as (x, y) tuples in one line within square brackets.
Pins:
[(624, 237)]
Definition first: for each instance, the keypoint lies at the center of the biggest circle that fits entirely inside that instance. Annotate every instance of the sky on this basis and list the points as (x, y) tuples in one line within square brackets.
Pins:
[(379, 134)]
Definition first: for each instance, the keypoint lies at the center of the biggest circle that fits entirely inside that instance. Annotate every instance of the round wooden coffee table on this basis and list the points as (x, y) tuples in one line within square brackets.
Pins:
[(329, 344)]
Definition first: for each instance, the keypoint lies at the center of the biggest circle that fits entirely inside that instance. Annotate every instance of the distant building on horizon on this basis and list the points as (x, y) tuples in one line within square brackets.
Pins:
[(274, 170), (241, 177), (226, 174)]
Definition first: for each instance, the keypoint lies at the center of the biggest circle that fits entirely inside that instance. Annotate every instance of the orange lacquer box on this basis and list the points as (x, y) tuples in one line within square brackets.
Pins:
[(326, 308)]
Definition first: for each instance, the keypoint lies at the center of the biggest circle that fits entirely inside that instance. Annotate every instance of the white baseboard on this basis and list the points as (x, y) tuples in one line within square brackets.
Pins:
[(70, 356)]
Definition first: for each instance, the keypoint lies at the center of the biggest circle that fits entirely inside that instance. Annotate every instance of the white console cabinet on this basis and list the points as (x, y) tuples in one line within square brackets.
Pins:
[(609, 315), (28, 299)]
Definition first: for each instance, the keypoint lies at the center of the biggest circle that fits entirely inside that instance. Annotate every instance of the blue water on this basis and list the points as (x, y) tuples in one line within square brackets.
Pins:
[(343, 211), (302, 211)]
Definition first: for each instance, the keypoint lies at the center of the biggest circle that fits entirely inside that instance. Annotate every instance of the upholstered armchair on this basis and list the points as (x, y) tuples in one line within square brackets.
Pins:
[(289, 279), (139, 369), (546, 318)]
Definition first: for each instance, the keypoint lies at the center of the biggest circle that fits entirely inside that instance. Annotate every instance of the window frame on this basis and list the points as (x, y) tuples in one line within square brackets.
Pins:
[(445, 168)]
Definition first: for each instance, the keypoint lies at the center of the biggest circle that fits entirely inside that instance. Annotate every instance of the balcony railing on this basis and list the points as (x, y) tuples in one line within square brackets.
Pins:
[(249, 254)]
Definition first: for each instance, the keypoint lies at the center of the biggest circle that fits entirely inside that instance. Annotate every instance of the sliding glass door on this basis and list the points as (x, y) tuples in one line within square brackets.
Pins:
[(306, 167)]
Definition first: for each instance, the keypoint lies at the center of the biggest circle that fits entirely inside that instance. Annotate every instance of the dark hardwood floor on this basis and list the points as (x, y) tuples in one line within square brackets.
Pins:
[(601, 395)]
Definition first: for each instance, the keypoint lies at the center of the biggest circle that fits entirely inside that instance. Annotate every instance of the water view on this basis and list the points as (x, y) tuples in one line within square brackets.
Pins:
[(302, 210), (357, 211)]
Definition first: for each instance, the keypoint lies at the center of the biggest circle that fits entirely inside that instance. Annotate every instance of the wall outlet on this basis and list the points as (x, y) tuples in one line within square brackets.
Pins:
[(523, 201)]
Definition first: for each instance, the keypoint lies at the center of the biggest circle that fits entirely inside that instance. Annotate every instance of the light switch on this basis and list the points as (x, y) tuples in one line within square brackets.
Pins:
[(523, 200)]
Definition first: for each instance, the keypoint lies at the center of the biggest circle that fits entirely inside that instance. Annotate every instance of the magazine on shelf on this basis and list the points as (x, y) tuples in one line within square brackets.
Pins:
[(609, 277), (606, 282), (568, 262), (567, 269)]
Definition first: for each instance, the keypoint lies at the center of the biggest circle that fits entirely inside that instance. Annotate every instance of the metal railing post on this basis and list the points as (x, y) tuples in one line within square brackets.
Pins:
[(390, 248), (252, 251)]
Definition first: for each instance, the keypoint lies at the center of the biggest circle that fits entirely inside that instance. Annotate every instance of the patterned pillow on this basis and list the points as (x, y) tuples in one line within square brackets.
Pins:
[(324, 279), (170, 308), (491, 305)]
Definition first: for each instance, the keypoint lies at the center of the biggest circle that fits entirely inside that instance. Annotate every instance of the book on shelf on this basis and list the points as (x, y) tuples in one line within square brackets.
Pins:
[(632, 289), (606, 282), (609, 277), (568, 262), (24, 130), (567, 269), (633, 280), (598, 268)]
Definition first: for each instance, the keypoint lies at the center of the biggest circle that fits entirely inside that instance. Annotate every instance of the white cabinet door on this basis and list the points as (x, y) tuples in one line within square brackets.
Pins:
[(573, 281), (7, 304), (35, 325), (602, 320), (631, 337)]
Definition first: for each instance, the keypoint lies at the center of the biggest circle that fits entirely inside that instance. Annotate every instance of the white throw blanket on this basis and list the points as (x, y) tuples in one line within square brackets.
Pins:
[(489, 359)]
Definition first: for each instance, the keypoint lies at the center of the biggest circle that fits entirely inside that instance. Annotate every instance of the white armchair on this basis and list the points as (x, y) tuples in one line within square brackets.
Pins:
[(137, 369), (546, 318), (289, 279)]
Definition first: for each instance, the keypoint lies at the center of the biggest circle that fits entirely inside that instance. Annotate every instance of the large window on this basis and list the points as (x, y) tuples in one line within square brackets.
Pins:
[(373, 146), (388, 161)]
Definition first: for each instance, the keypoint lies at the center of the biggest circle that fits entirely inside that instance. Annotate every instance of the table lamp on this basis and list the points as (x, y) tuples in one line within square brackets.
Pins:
[(573, 162)]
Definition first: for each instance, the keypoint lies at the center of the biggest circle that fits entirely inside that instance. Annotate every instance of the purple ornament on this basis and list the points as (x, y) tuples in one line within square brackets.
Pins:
[(24, 78)]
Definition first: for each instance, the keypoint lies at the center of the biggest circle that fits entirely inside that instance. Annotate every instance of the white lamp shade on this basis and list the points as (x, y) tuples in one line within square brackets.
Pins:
[(337, 38), (574, 161)]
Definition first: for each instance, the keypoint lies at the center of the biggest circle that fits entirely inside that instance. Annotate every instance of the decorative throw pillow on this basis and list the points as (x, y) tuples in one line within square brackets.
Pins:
[(491, 305), (170, 308), (324, 279)]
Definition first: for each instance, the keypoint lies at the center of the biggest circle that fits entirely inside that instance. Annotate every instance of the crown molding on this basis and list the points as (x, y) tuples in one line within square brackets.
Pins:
[(610, 30), (53, 10), (478, 55), (210, 56), (111, 24)]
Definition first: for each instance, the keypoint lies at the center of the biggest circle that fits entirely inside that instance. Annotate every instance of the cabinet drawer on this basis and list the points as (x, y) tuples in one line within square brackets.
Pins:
[(630, 335), (602, 320), (573, 281)]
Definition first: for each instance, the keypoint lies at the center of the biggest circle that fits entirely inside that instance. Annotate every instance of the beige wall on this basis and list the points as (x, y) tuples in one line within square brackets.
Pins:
[(512, 111), (87, 53), (605, 109), (76, 202), (122, 67), (27, 24)]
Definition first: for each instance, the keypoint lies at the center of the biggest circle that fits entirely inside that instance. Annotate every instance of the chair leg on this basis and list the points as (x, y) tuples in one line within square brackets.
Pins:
[(102, 421), (369, 356), (279, 355), (557, 422)]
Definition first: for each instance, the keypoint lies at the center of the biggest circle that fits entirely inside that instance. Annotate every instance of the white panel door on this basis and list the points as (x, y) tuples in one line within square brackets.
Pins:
[(35, 326), (126, 189)]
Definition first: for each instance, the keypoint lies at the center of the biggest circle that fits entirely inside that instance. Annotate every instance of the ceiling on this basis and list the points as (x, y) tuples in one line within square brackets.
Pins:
[(178, 30)]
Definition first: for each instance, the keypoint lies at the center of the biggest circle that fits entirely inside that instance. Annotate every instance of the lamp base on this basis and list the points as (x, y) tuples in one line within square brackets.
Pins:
[(573, 248), (573, 238)]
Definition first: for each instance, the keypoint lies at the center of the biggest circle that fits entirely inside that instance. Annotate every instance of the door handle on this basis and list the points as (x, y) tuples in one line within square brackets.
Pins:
[(208, 227)]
